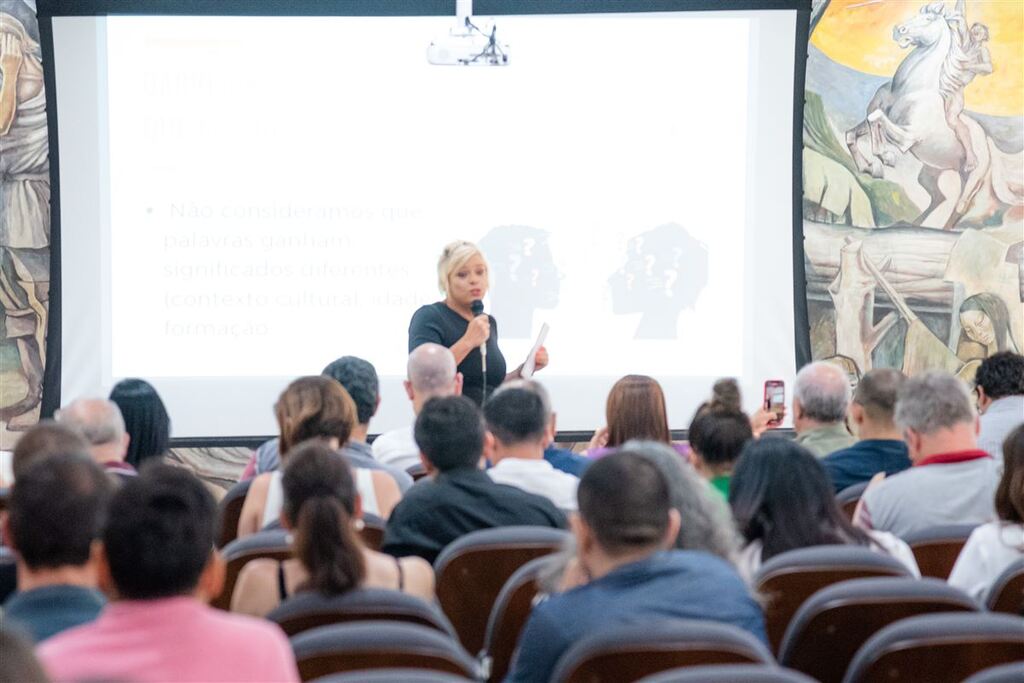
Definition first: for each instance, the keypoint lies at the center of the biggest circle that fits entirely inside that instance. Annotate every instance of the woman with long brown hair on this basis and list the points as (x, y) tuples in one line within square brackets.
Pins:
[(635, 410)]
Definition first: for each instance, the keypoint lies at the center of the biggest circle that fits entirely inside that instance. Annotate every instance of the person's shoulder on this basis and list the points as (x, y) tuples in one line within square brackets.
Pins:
[(428, 312), (232, 625)]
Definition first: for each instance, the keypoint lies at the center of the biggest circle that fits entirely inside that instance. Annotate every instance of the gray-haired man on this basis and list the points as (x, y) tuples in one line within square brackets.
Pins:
[(952, 480), (101, 423), (820, 399)]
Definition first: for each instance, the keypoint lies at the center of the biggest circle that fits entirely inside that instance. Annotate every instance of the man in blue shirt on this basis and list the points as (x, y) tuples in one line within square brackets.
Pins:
[(55, 514), (625, 522), (880, 446)]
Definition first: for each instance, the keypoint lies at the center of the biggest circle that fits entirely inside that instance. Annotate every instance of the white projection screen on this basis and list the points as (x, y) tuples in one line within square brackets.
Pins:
[(245, 199)]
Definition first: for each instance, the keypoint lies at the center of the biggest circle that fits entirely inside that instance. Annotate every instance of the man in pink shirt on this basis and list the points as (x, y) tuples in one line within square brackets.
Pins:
[(158, 559)]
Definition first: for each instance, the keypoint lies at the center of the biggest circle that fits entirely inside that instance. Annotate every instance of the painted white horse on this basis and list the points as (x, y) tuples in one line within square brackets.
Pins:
[(907, 114)]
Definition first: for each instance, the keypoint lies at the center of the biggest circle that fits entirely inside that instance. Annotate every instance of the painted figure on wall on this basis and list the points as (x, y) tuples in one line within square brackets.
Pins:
[(914, 217), (24, 217)]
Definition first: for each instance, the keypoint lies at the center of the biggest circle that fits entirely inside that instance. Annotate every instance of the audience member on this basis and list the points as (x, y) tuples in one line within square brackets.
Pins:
[(46, 438), (995, 545), (145, 419), (999, 385), (879, 446), (158, 559), (359, 379), (18, 663), (519, 426), (459, 497), (100, 422), (561, 459), (625, 524), (821, 395), (635, 410), (322, 509), (717, 436), (952, 480), (782, 500), (431, 372), (55, 515), (313, 408)]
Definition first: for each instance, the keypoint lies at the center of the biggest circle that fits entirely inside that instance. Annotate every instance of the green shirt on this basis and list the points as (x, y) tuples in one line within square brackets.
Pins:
[(721, 484), (827, 439)]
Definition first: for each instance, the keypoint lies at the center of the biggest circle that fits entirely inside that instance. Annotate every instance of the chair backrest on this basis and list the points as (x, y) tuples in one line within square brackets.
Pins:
[(308, 610), (936, 548), (1004, 673), (1007, 591), (511, 610), (8, 573), (274, 545), (378, 645), (938, 647), (394, 676), (729, 673), (472, 570), (229, 511), (832, 624), (630, 652), (787, 580), (372, 531), (849, 497)]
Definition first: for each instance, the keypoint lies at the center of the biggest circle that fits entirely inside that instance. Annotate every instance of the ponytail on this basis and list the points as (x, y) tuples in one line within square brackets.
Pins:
[(327, 546)]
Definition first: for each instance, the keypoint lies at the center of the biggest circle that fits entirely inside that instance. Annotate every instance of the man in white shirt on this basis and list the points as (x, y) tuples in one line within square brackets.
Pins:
[(519, 426), (431, 372), (999, 385)]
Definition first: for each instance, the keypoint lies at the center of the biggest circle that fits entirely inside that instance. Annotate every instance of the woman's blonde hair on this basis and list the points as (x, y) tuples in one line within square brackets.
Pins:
[(314, 407), (453, 257)]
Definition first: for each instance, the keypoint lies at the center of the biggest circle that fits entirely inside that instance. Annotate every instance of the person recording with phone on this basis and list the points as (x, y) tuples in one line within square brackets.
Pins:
[(459, 322)]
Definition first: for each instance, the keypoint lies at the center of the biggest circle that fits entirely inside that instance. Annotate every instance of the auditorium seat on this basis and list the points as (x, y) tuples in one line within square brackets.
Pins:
[(372, 531), (627, 653), (269, 544), (1004, 673), (394, 676), (511, 610), (378, 645), (832, 624), (787, 580), (230, 509), (1007, 591), (728, 673), (849, 497), (308, 610), (936, 548), (472, 570), (938, 648), (8, 573)]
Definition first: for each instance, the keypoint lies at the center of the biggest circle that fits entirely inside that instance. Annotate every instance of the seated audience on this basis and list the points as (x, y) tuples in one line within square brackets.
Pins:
[(359, 379), (145, 419), (458, 497), (518, 422), (999, 385), (102, 425), (996, 545), (717, 436), (322, 509), (561, 459), (18, 662), (952, 480), (313, 408), (821, 395), (879, 446), (635, 409), (431, 372), (46, 438), (55, 515), (782, 500), (158, 559), (625, 524)]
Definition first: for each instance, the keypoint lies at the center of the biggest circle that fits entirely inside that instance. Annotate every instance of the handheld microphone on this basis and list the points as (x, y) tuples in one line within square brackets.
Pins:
[(477, 308)]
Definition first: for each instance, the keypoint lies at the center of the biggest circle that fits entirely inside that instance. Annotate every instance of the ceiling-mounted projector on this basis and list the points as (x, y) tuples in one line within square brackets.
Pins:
[(467, 45)]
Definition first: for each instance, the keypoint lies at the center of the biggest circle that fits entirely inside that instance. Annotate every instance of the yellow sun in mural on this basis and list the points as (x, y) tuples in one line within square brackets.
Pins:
[(858, 34)]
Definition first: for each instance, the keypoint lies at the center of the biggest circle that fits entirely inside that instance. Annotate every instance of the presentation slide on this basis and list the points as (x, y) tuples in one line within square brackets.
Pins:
[(249, 198)]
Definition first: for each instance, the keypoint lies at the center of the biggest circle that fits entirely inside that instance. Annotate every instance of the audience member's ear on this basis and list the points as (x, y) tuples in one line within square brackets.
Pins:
[(983, 400), (913, 440), (672, 533), (585, 541), (798, 410), (457, 385), (489, 447), (408, 390), (856, 414), (5, 531), (211, 581), (104, 579), (552, 429), (428, 466)]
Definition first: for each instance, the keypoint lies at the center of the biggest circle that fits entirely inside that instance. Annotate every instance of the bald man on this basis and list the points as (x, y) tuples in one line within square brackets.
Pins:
[(431, 372), (821, 396), (102, 425)]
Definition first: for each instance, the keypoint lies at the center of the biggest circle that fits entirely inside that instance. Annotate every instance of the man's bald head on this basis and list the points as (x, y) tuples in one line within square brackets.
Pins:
[(822, 392), (102, 425), (432, 369)]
